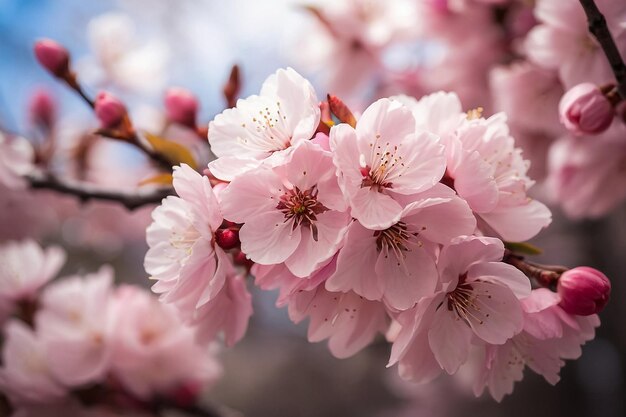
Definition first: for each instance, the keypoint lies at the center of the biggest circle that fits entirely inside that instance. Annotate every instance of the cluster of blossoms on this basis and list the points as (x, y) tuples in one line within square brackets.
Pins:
[(80, 345), (390, 224), (536, 61)]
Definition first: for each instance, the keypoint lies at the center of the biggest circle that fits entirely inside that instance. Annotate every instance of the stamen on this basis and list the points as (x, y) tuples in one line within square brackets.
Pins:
[(302, 208)]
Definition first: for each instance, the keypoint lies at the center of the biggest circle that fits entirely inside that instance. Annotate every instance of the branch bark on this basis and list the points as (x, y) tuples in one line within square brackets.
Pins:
[(599, 29), (86, 192)]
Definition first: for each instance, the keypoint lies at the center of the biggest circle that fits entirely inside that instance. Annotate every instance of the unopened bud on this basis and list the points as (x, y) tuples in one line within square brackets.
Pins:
[(583, 290), (53, 56), (42, 109), (584, 109), (181, 107), (110, 110), (227, 238)]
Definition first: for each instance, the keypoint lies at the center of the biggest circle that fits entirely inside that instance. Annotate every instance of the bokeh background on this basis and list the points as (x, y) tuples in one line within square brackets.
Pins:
[(274, 371)]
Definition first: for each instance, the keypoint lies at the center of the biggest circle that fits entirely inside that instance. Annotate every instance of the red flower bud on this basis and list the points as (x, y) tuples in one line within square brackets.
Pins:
[(42, 109), (109, 110), (227, 238), (584, 109), (583, 290), (53, 56), (181, 106)]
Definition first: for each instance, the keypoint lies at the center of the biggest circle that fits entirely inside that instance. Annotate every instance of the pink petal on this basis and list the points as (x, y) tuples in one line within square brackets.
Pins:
[(267, 239)]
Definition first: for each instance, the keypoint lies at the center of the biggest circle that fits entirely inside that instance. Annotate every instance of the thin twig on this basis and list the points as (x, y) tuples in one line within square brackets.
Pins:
[(544, 275), (86, 192), (599, 29)]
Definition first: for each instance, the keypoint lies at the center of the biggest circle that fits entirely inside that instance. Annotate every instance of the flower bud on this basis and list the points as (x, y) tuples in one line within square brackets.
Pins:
[(584, 109), (227, 238), (583, 290), (42, 109), (181, 107), (109, 110), (53, 56)]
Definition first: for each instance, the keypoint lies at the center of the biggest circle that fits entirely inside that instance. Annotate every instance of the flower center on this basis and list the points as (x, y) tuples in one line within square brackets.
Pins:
[(386, 164), (463, 300), (269, 128), (398, 240), (302, 208)]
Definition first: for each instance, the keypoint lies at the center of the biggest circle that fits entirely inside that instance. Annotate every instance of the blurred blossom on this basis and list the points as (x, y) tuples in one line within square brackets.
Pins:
[(121, 59), (16, 159), (25, 267)]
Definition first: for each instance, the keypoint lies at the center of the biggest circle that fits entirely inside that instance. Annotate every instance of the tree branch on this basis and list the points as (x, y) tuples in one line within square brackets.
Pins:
[(86, 192), (545, 276), (599, 29)]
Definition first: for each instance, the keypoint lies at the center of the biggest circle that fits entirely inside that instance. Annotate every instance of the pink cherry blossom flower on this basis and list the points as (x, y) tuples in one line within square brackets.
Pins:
[(259, 127), (562, 40), (25, 267), (25, 375), (293, 213), (347, 42), (484, 167), (75, 334), (228, 313), (16, 159), (503, 203), (550, 335), (586, 174), (478, 299), (347, 320), (383, 159), (397, 265), (189, 267), (152, 352)]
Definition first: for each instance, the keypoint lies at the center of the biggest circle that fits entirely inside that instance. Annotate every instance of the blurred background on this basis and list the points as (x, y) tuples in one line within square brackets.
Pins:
[(138, 48)]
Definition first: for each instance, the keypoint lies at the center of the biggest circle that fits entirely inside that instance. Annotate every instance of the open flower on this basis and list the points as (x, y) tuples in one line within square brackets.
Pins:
[(152, 352), (383, 157), (293, 213), (478, 299), (25, 267), (183, 257), (259, 127), (397, 264)]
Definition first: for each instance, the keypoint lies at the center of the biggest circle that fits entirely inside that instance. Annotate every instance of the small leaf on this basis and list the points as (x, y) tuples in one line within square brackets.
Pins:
[(523, 247), (339, 109), (160, 179), (174, 152), (232, 87)]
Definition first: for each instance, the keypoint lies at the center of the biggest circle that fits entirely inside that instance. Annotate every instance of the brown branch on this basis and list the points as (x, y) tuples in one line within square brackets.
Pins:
[(86, 192), (599, 29), (133, 138), (544, 275)]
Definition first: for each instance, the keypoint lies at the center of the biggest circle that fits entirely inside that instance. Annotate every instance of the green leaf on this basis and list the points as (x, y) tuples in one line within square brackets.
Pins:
[(523, 248)]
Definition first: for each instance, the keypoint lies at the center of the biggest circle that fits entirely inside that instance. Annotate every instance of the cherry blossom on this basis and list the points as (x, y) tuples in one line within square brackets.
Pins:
[(397, 264), (189, 267), (347, 320), (383, 159), (293, 213), (550, 335), (152, 353), (76, 335), (25, 374), (25, 267), (562, 40), (260, 127), (478, 299)]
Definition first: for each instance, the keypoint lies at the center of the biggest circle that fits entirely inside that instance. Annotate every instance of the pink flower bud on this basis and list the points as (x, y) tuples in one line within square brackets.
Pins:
[(583, 290), (42, 109), (181, 106), (109, 110), (227, 238), (585, 110), (52, 56)]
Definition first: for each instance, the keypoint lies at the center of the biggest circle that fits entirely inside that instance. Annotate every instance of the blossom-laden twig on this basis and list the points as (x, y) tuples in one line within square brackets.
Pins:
[(86, 192), (599, 29)]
